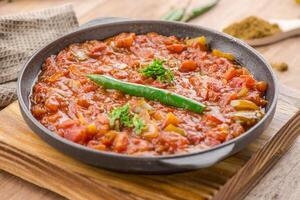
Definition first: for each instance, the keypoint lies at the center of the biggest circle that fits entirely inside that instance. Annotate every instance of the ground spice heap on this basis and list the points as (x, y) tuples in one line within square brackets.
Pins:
[(251, 28)]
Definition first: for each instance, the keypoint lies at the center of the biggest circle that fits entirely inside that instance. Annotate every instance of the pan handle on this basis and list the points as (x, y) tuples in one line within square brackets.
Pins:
[(201, 160), (102, 20)]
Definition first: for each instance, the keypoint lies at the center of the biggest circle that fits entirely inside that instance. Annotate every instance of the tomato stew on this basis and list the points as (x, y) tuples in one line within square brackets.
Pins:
[(65, 101)]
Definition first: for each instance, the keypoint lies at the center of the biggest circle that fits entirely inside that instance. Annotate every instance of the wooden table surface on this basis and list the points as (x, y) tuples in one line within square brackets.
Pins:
[(282, 182)]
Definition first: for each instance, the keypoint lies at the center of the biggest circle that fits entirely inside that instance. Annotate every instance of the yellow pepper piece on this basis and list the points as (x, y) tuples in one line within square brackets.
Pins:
[(243, 92), (219, 53), (157, 115), (151, 132), (172, 128), (243, 105), (247, 117), (201, 40), (81, 118), (170, 119), (91, 128)]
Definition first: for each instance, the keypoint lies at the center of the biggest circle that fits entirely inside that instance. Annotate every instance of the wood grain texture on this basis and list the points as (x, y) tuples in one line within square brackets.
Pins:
[(14, 188), (282, 182), (23, 154)]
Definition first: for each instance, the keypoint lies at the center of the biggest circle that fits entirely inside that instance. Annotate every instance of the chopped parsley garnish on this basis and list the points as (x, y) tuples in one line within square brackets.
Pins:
[(138, 124), (157, 71), (122, 117)]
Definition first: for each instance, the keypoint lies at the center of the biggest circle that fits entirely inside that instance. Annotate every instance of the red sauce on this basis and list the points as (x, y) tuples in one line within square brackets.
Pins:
[(65, 101)]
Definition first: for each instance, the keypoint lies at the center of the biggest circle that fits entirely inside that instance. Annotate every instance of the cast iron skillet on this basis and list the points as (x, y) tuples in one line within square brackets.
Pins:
[(107, 27)]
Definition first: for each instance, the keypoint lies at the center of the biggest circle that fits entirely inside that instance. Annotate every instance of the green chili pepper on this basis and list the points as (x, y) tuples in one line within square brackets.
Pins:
[(195, 12), (148, 92), (174, 14)]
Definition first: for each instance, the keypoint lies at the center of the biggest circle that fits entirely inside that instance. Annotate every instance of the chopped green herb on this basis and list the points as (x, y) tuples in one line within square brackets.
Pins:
[(157, 71), (138, 124), (122, 117)]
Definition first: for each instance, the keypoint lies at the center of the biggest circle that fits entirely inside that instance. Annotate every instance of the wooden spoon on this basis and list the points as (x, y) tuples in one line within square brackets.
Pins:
[(290, 28)]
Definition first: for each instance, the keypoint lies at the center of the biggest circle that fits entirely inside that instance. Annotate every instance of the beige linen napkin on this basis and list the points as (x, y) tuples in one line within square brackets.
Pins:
[(21, 35)]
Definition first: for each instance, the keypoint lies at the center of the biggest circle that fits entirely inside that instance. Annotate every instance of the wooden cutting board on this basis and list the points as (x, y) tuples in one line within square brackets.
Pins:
[(23, 154)]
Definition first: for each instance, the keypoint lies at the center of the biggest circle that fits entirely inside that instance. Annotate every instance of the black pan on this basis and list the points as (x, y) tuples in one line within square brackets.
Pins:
[(107, 27)]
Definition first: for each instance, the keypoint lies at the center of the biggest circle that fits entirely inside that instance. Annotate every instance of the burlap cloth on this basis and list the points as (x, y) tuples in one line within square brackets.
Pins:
[(21, 35)]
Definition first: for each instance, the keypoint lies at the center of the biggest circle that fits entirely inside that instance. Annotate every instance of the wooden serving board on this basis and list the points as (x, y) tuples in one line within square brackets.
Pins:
[(25, 155)]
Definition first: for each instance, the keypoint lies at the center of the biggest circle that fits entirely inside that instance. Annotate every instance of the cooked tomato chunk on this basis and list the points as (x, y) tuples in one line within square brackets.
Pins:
[(75, 134), (230, 73), (261, 86), (120, 142), (125, 40), (176, 48), (188, 65)]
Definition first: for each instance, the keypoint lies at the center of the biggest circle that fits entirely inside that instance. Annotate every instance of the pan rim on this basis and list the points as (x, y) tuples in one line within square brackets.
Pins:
[(133, 157)]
